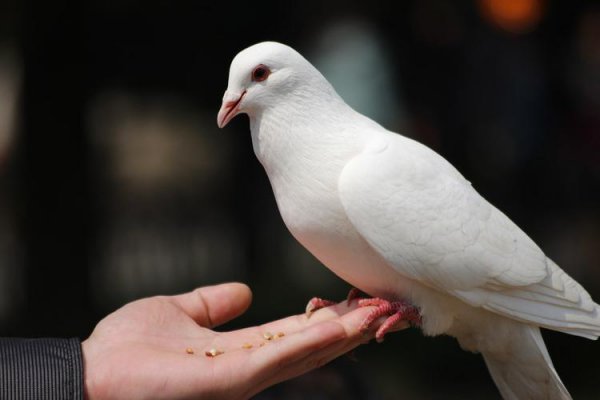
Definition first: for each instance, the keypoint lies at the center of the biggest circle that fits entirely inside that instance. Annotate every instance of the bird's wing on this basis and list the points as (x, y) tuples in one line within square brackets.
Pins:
[(418, 212)]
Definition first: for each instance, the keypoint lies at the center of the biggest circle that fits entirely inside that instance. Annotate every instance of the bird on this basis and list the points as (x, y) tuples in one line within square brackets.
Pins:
[(398, 222)]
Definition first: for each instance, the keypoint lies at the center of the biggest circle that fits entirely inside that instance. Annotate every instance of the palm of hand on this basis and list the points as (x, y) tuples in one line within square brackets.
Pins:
[(140, 351)]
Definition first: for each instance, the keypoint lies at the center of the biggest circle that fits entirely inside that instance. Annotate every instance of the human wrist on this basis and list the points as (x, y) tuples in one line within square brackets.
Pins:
[(90, 382)]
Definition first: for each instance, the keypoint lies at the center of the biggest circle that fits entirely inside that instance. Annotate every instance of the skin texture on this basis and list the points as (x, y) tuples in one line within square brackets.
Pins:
[(140, 350)]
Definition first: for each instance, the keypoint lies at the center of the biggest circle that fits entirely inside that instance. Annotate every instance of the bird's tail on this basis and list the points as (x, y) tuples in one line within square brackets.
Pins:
[(525, 371)]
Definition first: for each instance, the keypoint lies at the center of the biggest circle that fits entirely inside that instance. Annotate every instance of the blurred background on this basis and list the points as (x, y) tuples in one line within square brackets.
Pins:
[(115, 182)]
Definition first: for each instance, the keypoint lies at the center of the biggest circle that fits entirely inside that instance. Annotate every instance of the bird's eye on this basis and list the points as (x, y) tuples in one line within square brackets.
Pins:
[(260, 73)]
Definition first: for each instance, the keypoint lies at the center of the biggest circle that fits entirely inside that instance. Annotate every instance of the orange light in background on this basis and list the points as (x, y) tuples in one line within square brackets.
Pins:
[(515, 16)]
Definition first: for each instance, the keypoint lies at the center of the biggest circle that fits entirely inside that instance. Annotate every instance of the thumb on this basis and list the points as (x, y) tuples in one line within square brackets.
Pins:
[(214, 305)]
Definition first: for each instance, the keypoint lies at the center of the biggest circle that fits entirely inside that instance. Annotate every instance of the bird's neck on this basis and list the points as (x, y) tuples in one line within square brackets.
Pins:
[(301, 130)]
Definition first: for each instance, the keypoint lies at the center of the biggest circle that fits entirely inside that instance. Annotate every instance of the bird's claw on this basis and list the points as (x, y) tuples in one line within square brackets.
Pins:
[(353, 294), (400, 315), (317, 303)]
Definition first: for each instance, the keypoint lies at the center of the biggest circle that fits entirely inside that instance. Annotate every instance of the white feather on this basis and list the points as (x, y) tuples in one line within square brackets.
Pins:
[(433, 227), (396, 220)]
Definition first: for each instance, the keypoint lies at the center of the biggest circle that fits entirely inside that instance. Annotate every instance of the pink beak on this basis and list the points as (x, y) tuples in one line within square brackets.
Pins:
[(230, 108)]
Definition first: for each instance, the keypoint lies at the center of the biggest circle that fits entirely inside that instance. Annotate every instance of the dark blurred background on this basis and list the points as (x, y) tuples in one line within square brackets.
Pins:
[(115, 182)]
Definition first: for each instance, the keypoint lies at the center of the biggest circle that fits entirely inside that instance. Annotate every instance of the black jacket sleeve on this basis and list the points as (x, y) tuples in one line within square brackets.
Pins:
[(41, 369)]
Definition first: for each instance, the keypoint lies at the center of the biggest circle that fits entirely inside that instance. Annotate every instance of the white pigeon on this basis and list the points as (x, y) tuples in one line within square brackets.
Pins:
[(396, 220)]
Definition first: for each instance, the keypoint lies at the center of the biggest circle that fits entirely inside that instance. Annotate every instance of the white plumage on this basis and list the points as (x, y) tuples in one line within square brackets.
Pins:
[(396, 220)]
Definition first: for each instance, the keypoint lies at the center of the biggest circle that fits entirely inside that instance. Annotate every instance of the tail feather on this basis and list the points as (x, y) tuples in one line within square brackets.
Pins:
[(557, 302), (525, 371)]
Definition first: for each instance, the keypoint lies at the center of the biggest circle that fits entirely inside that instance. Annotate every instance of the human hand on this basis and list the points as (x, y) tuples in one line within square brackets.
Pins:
[(140, 351)]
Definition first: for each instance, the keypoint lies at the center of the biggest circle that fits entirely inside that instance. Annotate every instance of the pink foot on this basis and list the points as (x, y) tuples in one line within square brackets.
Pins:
[(396, 312), (317, 303), (353, 294)]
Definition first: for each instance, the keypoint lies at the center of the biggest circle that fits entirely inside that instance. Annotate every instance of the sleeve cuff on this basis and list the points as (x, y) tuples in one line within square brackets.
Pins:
[(41, 369)]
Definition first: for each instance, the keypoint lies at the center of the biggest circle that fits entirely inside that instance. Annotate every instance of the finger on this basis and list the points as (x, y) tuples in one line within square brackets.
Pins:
[(214, 305), (312, 339), (292, 324), (327, 354), (309, 349), (299, 322), (311, 361)]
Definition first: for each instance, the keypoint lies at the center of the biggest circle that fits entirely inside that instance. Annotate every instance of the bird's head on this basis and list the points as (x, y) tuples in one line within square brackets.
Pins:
[(262, 76)]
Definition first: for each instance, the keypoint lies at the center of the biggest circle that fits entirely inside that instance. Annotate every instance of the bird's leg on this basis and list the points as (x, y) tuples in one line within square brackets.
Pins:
[(396, 312)]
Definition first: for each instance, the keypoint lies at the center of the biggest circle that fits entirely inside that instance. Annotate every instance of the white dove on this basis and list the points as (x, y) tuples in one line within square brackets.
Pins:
[(399, 222)]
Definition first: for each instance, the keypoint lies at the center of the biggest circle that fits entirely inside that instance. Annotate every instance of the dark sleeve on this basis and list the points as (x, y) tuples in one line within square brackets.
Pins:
[(44, 369)]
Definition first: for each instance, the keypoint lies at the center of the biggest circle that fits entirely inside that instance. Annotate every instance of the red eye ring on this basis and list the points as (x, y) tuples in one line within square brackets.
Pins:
[(260, 73)]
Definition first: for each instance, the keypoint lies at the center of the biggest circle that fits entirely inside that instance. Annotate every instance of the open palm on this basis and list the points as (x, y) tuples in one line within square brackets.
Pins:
[(155, 348)]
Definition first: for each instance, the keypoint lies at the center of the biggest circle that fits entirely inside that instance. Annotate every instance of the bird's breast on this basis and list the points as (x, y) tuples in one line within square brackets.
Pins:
[(315, 216), (304, 171)]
